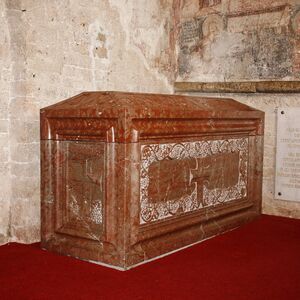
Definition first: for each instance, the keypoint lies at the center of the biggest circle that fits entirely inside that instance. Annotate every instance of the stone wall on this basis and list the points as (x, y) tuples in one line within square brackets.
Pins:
[(5, 79), (58, 49)]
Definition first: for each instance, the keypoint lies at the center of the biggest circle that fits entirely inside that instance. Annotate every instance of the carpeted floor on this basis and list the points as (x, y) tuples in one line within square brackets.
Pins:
[(260, 260)]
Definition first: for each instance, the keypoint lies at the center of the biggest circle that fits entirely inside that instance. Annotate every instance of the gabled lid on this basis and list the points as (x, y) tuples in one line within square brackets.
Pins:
[(130, 117), (138, 105)]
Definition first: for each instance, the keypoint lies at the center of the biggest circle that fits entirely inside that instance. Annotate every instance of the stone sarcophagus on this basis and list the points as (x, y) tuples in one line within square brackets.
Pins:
[(129, 177)]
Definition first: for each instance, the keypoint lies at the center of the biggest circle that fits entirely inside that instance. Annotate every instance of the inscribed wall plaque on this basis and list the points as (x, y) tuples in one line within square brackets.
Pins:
[(287, 182)]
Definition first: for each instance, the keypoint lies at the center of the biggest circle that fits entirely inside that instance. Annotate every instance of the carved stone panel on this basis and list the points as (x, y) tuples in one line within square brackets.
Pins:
[(80, 187), (177, 178)]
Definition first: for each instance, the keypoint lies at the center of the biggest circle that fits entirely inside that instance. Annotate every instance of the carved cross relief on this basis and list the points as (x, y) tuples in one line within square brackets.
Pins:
[(179, 178)]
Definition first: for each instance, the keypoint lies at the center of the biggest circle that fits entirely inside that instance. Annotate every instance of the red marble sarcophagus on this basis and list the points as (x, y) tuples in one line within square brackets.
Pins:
[(129, 177)]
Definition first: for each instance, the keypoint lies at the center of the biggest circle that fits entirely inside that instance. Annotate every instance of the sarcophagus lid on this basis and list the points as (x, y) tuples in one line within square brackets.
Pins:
[(128, 177), (130, 117)]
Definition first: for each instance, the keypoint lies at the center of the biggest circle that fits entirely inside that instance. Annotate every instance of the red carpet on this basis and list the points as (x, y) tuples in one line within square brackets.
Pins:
[(261, 260)]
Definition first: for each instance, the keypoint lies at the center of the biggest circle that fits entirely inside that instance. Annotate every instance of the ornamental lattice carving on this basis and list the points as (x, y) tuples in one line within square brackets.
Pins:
[(177, 178)]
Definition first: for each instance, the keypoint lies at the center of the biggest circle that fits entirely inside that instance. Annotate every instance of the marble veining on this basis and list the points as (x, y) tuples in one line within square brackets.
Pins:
[(129, 177)]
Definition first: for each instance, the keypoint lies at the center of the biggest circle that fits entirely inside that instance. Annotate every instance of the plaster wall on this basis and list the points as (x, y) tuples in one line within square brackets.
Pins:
[(51, 50), (5, 79)]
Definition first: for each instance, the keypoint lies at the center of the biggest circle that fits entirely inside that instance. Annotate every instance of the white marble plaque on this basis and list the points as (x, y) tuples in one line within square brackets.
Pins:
[(287, 179)]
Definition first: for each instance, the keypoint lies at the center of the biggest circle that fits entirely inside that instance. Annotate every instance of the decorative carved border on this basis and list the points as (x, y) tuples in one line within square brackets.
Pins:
[(150, 153)]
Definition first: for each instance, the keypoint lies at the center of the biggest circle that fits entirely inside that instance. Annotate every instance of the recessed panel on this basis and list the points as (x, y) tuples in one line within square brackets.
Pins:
[(80, 183), (177, 178)]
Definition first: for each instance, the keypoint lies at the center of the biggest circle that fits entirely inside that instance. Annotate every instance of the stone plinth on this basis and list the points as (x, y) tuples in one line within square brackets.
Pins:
[(129, 177)]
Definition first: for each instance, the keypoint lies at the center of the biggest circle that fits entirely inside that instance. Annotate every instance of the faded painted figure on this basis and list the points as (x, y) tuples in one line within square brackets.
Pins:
[(239, 40)]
